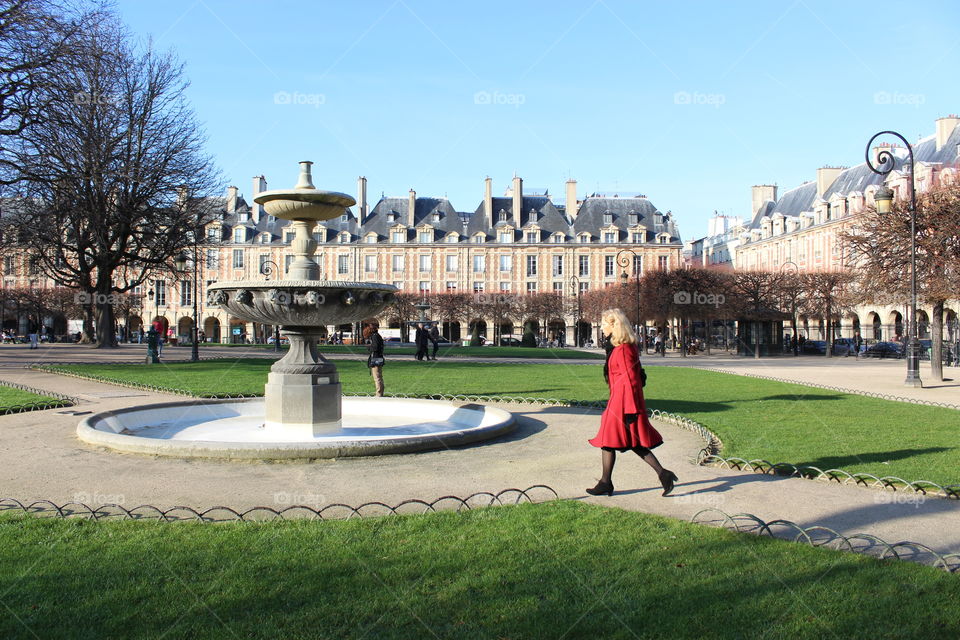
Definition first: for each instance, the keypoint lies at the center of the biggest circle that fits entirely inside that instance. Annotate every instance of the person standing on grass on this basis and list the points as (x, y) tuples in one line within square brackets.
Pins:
[(375, 360), (422, 339), (624, 425), (435, 340)]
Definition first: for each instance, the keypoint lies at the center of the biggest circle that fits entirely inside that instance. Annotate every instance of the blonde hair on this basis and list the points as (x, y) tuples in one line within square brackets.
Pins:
[(622, 332)]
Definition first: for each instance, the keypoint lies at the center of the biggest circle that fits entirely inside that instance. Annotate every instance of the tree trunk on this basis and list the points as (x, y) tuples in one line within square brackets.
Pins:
[(87, 333), (829, 347), (758, 327), (106, 334), (936, 344)]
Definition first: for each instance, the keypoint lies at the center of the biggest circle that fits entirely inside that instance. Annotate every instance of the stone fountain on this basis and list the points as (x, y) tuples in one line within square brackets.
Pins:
[(302, 414)]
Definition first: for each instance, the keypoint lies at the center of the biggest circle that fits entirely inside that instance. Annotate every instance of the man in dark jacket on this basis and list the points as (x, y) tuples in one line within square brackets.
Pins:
[(434, 335), (422, 339)]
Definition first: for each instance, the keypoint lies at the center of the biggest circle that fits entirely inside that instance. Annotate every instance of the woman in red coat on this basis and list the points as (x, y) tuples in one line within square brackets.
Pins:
[(624, 425)]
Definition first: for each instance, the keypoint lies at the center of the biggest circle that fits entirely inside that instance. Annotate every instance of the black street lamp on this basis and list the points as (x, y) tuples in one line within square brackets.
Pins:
[(267, 268), (886, 162), (181, 264), (575, 285), (623, 262)]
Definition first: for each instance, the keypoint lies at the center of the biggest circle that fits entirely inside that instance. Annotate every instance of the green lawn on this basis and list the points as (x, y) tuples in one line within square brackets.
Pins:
[(448, 351), (755, 418), (557, 569), (14, 400)]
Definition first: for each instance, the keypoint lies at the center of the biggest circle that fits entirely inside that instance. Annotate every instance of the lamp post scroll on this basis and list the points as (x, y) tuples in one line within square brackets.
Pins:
[(623, 261), (268, 268), (884, 164)]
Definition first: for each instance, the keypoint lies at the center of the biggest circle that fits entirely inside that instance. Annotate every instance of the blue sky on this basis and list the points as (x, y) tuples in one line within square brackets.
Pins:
[(690, 103)]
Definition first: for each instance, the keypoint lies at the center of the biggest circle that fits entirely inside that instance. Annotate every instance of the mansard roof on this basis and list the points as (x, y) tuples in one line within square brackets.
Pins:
[(549, 218), (792, 203), (590, 216), (856, 178)]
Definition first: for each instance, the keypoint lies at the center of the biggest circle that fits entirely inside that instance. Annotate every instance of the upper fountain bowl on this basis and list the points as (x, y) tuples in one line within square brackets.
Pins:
[(304, 201)]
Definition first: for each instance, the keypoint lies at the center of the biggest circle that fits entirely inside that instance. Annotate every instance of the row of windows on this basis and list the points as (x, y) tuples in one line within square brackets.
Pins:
[(399, 236), (452, 263)]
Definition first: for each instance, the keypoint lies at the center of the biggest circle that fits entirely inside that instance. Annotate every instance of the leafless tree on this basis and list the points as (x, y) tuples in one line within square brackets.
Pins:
[(114, 178), (880, 246)]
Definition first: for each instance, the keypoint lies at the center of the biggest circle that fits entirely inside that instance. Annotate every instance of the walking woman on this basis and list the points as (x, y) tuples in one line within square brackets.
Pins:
[(371, 333), (624, 425)]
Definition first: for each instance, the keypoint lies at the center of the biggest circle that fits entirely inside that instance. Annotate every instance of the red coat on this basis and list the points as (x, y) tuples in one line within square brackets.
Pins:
[(626, 397)]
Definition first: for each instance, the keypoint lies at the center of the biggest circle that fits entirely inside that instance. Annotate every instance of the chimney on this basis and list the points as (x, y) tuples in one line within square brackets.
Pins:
[(571, 199), (825, 178), (256, 210), (760, 193), (488, 201), (183, 193), (945, 127), (361, 200), (517, 200), (411, 208), (231, 199)]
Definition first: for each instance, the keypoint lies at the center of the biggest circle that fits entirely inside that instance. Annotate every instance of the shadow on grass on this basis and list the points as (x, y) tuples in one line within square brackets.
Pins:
[(802, 397), (879, 457), (684, 407)]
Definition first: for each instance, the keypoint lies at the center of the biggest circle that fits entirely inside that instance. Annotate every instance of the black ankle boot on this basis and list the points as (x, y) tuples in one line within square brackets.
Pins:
[(601, 488), (667, 478)]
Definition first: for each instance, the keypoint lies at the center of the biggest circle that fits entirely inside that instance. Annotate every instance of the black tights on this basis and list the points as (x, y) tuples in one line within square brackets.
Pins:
[(609, 457)]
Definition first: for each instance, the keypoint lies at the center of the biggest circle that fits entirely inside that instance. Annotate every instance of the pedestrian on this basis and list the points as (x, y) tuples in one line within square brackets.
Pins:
[(375, 360), (434, 339), (422, 339), (624, 425), (33, 340)]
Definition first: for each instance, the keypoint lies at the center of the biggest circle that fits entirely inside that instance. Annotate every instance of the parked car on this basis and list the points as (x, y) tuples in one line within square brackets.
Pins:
[(844, 346), (393, 340), (509, 342), (884, 350), (814, 347)]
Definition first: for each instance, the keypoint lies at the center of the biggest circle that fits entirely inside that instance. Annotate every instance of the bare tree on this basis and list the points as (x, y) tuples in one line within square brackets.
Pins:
[(826, 294), (880, 246), (115, 176), (403, 309)]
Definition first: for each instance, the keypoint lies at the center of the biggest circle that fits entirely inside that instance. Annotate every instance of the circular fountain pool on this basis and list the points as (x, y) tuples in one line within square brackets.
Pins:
[(235, 429)]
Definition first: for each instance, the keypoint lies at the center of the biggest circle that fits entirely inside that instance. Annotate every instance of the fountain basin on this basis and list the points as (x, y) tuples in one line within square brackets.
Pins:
[(304, 204), (301, 303), (235, 429)]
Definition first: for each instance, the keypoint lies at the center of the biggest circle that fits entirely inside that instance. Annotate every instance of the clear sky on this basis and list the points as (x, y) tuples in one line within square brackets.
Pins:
[(690, 103)]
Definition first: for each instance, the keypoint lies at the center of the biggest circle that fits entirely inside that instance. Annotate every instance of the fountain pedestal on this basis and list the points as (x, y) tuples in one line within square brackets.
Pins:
[(303, 388)]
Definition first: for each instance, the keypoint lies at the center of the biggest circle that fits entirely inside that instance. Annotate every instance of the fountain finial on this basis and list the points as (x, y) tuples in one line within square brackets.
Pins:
[(306, 179)]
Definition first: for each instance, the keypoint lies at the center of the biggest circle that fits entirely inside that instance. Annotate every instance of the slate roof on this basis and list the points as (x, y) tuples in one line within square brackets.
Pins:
[(590, 217), (792, 203)]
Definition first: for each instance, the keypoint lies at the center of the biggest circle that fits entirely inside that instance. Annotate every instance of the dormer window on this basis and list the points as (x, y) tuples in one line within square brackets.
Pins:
[(609, 236), (213, 234), (239, 235), (344, 238), (634, 219), (345, 218), (264, 238), (452, 238), (479, 238), (607, 218), (533, 216), (502, 216), (531, 236), (436, 216), (392, 216), (583, 238), (398, 235), (557, 238), (636, 237), (505, 237), (425, 235), (371, 238)]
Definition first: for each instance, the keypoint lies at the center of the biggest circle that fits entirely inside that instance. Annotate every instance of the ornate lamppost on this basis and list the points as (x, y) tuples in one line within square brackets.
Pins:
[(885, 164), (623, 261), (790, 268), (267, 268), (181, 264), (575, 285)]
